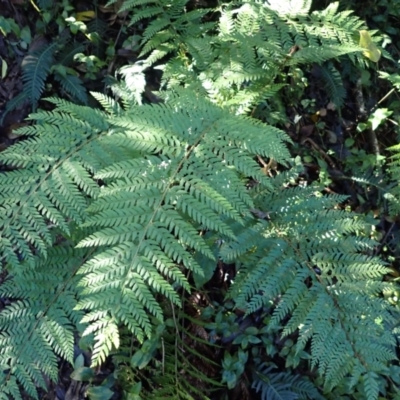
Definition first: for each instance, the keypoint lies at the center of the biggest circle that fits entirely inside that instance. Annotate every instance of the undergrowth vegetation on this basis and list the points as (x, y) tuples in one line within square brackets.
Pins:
[(205, 204)]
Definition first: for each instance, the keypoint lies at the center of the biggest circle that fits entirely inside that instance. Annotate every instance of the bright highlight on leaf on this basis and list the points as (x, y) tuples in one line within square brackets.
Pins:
[(85, 15), (4, 69), (372, 52)]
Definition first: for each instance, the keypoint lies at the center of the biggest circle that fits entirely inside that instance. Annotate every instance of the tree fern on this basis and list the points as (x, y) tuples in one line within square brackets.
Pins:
[(241, 66), (161, 169), (141, 183), (116, 204), (149, 215), (309, 262)]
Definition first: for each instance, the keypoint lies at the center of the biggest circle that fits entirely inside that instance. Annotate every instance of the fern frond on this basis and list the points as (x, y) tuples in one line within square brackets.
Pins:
[(233, 66), (40, 325), (331, 309), (166, 186), (35, 69), (72, 85), (283, 385), (57, 182), (333, 84), (152, 208)]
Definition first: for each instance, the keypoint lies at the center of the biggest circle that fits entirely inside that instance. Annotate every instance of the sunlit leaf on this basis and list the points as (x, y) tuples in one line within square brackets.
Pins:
[(371, 51)]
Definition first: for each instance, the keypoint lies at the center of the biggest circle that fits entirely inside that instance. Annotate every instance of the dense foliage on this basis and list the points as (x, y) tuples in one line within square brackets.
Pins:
[(119, 209)]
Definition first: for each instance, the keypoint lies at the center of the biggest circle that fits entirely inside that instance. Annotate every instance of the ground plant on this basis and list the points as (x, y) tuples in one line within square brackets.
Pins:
[(199, 200)]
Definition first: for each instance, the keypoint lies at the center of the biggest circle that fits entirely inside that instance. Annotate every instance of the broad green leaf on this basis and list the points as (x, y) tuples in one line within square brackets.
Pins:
[(379, 116), (371, 51), (99, 393), (82, 374)]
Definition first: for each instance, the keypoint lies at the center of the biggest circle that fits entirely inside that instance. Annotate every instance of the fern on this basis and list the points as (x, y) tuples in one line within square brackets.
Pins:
[(162, 168), (56, 184), (305, 235), (241, 66), (115, 204), (71, 84), (38, 65), (168, 172), (333, 85), (35, 69), (170, 23), (39, 327), (282, 386), (166, 193)]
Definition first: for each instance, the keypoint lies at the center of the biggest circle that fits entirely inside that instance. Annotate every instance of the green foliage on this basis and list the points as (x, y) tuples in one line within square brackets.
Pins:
[(283, 385), (393, 196), (241, 67), (124, 206), (162, 183), (36, 67), (41, 325), (170, 27), (333, 84), (169, 171), (310, 262)]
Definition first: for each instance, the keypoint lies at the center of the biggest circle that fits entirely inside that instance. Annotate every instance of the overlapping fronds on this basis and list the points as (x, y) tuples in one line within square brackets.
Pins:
[(143, 184), (105, 214), (147, 219), (311, 264), (241, 67), (40, 326)]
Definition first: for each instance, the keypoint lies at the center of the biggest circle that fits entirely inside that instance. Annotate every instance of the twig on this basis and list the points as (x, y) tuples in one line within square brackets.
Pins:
[(383, 98), (322, 152), (379, 248), (371, 136)]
